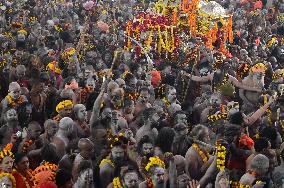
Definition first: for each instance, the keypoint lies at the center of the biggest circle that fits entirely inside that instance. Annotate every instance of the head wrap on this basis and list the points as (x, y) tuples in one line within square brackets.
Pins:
[(154, 161), (156, 78), (63, 104)]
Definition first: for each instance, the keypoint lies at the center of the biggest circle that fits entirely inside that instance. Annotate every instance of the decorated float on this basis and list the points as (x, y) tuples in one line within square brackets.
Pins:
[(165, 25)]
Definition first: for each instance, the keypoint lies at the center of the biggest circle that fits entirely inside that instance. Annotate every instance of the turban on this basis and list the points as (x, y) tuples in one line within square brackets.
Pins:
[(156, 78)]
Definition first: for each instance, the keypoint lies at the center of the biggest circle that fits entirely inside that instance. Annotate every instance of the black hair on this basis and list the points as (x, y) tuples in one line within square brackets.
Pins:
[(261, 144), (127, 101), (144, 89), (133, 67), (147, 113), (128, 77), (271, 134), (231, 130), (19, 157), (237, 118), (49, 154), (68, 80), (62, 177), (165, 139), (143, 140)]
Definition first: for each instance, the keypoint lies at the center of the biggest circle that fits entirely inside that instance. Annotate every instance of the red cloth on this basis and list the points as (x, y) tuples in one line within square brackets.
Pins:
[(257, 5), (246, 141), (48, 184), (20, 183), (156, 78)]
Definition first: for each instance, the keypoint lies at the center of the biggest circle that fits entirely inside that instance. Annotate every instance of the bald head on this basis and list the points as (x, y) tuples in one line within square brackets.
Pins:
[(86, 148), (85, 143), (21, 69)]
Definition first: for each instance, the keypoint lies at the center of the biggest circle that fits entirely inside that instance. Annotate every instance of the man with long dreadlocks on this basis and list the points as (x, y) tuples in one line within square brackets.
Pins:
[(117, 157)]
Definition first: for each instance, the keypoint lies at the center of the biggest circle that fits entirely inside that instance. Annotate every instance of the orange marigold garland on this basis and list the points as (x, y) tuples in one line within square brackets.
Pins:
[(203, 155), (14, 103), (26, 145), (45, 167), (149, 182)]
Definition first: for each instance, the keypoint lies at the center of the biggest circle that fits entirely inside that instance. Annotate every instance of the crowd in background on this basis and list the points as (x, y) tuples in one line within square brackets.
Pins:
[(79, 109)]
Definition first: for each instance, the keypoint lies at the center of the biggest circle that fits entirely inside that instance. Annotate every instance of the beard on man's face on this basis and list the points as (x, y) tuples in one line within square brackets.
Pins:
[(154, 124), (148, 155), (119, 161)]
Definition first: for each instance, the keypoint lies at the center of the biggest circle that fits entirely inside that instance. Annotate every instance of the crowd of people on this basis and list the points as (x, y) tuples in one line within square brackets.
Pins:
[(81, 108)]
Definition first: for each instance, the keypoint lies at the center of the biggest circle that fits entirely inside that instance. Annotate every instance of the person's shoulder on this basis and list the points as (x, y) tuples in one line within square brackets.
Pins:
[(247, 179), (143, 184), (190, 154), (57, 141), (106, 165)]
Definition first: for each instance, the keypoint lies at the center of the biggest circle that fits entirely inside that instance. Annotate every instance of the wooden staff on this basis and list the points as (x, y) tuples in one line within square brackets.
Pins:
[(82, 36)]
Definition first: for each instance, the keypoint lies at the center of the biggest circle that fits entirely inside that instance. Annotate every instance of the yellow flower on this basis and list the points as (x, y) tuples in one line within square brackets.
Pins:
[(22, 31), (154, 161), (70, 51), (63, 104), (106, 161)]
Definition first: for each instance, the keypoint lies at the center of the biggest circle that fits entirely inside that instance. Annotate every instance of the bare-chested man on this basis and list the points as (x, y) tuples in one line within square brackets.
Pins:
[(116, 159), (156, 170), (255, 80), (50, 129), (81, 128), (14, 98), (197, 157), (86, 148), (259, 169), (11, 127), (150, 118), (61, 139)]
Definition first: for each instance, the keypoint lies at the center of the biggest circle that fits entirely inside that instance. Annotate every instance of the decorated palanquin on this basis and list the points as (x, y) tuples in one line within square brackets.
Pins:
[(162, 27), (153, 31), (209, 20)]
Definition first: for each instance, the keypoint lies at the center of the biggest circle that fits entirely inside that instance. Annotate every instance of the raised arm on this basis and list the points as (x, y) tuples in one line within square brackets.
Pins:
[(97, 104), (260, 112), (206, 78), (239, 84)]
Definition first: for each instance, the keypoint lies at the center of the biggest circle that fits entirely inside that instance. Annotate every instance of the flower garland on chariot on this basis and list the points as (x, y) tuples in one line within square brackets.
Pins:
[(158, 33)]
